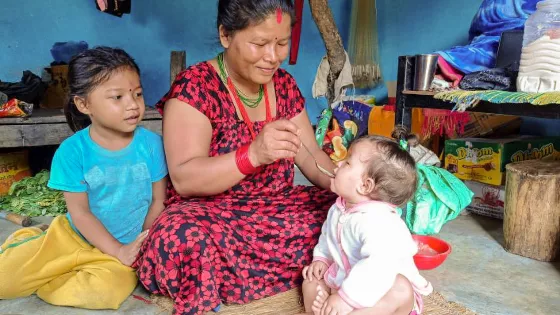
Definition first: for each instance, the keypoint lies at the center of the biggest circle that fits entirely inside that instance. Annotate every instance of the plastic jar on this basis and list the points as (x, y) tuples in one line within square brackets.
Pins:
[(539, 69)]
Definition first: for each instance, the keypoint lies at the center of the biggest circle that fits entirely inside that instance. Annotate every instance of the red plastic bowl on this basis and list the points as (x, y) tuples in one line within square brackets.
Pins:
[(431, 261)]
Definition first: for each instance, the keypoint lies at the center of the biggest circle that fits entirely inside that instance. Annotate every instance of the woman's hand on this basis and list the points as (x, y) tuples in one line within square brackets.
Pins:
[(317, 269), (127, 253), (277, 140)]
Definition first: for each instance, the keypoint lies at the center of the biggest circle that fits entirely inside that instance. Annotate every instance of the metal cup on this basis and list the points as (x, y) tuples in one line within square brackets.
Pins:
[(424, 71)]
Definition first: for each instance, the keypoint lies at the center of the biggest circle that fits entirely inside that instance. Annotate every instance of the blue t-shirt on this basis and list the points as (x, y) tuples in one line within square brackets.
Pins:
[(118, 183)]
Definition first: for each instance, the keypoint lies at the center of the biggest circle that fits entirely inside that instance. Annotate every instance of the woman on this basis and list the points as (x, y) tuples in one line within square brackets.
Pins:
[(235, 228)]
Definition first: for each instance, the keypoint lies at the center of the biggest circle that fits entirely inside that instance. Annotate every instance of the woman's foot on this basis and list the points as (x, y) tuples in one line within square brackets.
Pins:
[(320, 300)]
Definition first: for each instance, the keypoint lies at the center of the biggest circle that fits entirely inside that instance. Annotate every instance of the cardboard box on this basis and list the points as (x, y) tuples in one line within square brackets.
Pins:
[(14, 166), (484, 160), (488, 200), (57, 91), (484, 125)]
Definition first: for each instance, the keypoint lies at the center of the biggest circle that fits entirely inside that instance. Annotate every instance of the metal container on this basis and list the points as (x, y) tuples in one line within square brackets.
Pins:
[(424, 71)]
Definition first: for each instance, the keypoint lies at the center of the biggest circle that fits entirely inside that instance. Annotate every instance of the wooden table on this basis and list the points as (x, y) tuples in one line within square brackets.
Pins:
[(49, 127)]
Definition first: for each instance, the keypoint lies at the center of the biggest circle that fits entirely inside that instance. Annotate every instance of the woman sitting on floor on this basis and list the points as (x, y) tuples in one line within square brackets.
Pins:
[(235, 228)]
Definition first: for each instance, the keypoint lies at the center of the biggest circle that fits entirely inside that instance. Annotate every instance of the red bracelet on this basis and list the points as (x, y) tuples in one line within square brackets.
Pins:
[(242, 161)]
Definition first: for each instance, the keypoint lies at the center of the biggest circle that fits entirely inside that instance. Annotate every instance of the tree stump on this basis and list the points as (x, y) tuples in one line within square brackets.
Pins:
[(532, 209)]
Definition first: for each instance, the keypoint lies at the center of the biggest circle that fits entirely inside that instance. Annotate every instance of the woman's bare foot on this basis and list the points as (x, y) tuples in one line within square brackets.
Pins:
[(321, 298)]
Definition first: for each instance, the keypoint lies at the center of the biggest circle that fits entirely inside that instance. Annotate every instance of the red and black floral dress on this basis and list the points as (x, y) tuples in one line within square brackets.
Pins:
[(247, 243)]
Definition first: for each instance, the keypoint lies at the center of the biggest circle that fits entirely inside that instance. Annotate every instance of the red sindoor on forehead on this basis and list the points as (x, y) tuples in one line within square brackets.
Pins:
[(278, 15)]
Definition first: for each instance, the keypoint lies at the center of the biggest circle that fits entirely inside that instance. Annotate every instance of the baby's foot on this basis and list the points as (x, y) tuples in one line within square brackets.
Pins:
[(320, 299)]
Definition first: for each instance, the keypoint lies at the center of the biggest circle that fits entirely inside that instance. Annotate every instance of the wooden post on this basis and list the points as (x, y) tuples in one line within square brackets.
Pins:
[(178, 63), (322, 15), (532, 209)]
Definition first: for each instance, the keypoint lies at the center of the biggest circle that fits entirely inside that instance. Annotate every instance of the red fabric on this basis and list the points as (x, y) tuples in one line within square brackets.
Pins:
[(296, 32), (449, 73), (440, 121), (248, 242)]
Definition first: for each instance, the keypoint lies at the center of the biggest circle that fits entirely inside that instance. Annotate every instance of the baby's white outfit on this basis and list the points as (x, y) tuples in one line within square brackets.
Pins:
[(365, 248)]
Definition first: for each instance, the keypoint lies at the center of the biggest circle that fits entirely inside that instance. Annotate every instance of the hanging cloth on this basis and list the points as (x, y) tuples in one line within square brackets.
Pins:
[(114, 7), (296, 32), (363, 44), (344, 80)]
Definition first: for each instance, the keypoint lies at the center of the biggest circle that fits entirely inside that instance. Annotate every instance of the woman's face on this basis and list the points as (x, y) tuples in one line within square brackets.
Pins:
[(256, 52)]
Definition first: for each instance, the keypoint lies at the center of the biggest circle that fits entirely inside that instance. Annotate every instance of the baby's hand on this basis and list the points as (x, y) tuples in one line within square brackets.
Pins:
[(335, 305), (127, 253), (317, 269)]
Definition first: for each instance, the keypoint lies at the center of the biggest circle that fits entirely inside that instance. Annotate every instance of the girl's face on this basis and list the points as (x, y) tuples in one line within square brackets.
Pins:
[(117, 104), (256, 52), (350, 182)]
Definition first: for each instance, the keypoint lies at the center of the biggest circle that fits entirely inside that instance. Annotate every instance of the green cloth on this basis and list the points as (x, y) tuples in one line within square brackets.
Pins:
[(439, 198), (466, 99)]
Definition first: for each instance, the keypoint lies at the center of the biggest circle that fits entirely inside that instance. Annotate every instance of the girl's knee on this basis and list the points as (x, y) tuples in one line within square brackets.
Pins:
[(403, 293), (15, 280), (111, 291), (11, 286)]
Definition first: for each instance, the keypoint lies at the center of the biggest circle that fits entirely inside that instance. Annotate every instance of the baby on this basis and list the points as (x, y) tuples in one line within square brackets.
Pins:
[(363, 262)]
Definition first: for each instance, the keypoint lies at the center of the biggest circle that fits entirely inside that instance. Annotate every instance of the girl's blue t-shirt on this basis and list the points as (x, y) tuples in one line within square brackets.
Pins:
[(118, 183)]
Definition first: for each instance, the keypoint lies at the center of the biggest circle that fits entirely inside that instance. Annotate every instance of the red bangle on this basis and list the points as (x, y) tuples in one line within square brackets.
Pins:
[(242, 161)]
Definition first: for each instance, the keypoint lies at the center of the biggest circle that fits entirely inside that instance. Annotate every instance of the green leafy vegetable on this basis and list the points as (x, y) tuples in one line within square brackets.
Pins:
[(31, 196)]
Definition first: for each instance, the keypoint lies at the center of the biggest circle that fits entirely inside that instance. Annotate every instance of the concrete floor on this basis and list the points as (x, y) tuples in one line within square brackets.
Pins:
[(479, 274), (485, 278)]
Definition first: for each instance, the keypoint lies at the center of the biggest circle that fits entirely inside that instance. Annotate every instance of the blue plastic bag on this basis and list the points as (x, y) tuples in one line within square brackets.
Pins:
[(62, 52)]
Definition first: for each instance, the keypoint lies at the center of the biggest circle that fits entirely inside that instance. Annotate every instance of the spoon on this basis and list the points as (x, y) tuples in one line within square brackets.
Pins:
[(322, 169)]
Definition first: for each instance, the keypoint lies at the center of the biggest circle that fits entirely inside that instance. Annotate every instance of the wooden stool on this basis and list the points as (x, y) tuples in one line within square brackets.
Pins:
[(532, 209)]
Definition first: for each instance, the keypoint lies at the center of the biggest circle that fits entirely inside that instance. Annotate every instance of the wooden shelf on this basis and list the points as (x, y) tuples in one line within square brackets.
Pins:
[(49, 116), (551, 111), (408, 99), (49, 127), (411, 92)]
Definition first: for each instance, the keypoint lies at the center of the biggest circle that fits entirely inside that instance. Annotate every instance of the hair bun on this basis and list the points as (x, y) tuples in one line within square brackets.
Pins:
[(401, 132)]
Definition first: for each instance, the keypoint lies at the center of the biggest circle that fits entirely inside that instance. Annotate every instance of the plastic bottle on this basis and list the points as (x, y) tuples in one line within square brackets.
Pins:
[(539, 69)]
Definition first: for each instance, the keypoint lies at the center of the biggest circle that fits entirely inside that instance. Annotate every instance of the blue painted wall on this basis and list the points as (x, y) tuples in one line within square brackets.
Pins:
[(154, 28), (408, 27), (149, 33)]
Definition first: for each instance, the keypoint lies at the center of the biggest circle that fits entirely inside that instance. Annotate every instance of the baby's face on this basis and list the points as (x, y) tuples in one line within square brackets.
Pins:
[(349, 175)]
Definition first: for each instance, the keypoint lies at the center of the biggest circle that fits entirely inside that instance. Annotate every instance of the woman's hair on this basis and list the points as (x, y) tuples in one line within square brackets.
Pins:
[(88, 70), (392, 169), (236, 15)]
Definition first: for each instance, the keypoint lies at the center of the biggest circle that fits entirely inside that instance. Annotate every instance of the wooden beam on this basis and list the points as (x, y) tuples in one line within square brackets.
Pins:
[(178, 63), (323, 17)]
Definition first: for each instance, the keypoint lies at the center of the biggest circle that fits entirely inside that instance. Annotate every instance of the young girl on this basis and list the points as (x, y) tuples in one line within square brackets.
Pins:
[(363, 262), (113, 175)]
